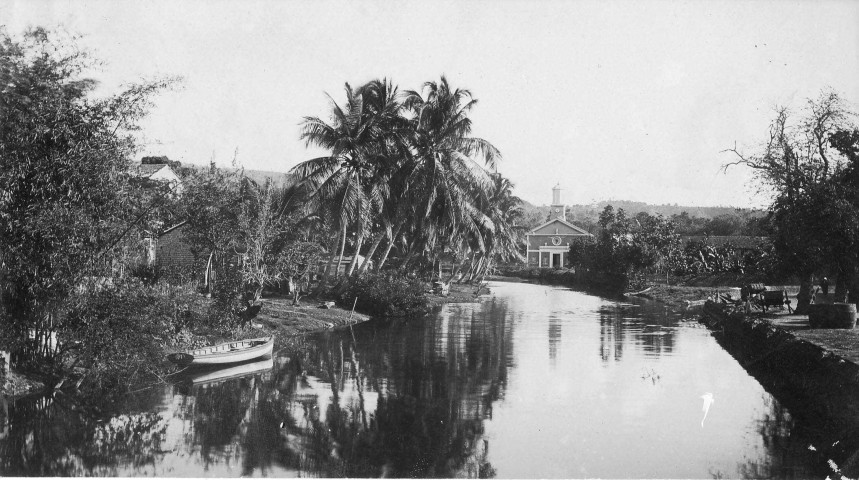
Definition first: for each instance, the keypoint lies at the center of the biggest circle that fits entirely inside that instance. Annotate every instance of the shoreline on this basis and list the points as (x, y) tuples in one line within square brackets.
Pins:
[(279, 318), (814, 372)]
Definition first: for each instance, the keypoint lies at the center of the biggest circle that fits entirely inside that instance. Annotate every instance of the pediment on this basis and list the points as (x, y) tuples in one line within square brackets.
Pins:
[(556, 226)]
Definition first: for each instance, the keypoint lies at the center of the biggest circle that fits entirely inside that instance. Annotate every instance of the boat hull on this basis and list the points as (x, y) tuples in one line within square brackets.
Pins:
[(224, 353)]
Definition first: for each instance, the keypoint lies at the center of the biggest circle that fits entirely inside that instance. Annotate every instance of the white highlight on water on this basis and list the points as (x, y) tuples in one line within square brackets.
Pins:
[(708, 400)]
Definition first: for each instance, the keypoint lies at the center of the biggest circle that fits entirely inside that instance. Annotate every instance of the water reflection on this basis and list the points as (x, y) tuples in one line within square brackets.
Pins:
[(534, 382)]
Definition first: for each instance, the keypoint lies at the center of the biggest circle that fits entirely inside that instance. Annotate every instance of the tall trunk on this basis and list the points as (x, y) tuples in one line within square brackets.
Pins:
[(476, 269), (392, 239), (486, 266), (454, 270), (803, 298), (370, 253), (207, 275), (342, 251), (327, 274), (357, 253), (470, 272), (330, 263)]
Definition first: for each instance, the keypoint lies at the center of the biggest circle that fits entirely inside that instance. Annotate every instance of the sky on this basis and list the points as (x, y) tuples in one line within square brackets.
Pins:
[(612, 99)]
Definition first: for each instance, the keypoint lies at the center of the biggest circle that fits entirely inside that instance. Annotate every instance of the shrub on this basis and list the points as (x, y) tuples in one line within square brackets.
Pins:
[(387, 294), (119, 335)]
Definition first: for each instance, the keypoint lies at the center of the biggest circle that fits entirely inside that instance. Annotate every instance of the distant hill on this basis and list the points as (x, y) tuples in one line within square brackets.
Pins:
[(278, 179), (586, 216)]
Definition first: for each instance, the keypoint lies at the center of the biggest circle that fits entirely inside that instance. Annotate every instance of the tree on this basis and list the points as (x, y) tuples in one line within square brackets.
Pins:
[(445, 172), (67, 207), (806, 162), (630, 246), (213, 202), (501, 241), (351, 181)]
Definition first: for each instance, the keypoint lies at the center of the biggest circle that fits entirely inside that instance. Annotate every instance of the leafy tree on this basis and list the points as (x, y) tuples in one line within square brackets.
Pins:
[(67, 208), (213, 202), (628, 247), (806, 163), (724, 225)]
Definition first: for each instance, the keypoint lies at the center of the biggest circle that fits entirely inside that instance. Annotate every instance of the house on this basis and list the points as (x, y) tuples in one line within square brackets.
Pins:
[(344, 261), (168, 250), (161, 172), (549, 244)]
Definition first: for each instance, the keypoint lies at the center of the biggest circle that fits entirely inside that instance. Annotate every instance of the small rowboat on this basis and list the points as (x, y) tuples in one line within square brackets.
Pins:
[(230, 352)]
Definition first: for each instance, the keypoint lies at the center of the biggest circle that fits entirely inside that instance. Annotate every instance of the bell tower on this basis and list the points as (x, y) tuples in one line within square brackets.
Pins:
[(558, 208)]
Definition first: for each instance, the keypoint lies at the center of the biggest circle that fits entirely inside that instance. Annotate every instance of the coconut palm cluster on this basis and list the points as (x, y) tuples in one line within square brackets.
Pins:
[(405, 184)]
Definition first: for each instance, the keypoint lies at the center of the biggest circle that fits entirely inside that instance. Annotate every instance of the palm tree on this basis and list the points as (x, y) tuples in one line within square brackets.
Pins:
[(503, 209), (444, 172), (353, 177)]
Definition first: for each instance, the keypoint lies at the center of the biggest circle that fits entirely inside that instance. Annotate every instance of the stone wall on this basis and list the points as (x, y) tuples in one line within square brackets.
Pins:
[(818, 387)]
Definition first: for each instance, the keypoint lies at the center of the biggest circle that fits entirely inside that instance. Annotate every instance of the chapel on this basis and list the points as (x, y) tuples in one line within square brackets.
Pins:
[(549, 244)]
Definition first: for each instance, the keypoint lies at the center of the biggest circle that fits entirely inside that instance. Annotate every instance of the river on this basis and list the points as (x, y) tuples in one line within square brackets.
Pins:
[(532, 382)]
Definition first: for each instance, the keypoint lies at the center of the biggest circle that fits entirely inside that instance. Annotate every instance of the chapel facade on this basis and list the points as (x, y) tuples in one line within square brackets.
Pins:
[(549, 244)]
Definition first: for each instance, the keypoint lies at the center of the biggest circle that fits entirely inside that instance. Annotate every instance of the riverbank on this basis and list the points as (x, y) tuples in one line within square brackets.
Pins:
[(459, 293), (280, 318), (814, 372)]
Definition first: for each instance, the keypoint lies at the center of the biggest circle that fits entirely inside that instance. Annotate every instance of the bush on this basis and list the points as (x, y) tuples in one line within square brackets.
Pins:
[(386, 294), (120, 334)]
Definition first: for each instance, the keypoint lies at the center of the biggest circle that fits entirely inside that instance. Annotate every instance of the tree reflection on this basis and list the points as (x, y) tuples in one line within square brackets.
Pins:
[(61, 436), (622, 324), (611, 335), (430, 395), (806, 427), (407, 398)]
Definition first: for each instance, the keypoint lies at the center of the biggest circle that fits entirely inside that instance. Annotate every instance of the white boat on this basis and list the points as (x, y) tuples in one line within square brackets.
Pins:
[(229, 352)]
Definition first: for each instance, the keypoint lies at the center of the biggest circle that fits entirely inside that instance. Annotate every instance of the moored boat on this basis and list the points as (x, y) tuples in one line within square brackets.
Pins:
[(229, 352)]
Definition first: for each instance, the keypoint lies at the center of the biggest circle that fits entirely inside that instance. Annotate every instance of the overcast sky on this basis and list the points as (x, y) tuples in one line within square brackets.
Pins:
[(613, 100)]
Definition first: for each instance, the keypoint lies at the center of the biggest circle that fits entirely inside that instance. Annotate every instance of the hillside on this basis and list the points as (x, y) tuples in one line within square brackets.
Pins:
[(586, 216), (278, 179)]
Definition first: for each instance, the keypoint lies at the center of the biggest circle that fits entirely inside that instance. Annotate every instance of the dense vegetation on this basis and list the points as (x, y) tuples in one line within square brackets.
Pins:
[(404, 184), (630, 248), (809, 164), (404, 170), (71, 211)]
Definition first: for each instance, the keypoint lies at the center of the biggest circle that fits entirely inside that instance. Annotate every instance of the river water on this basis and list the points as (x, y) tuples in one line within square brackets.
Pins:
[(532, 382)]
